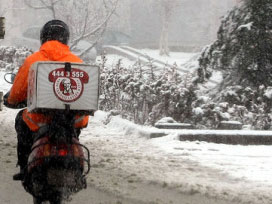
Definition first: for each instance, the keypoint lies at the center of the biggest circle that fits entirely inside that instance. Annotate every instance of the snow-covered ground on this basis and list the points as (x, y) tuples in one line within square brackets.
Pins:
[(4, 86), (112, 60), (251, 163), (226, 171), (124, 160), (127, 164), (180, 58)]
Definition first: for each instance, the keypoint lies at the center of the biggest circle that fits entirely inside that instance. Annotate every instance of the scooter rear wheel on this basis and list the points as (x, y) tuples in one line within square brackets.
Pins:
[(57, 201), (39, 201)]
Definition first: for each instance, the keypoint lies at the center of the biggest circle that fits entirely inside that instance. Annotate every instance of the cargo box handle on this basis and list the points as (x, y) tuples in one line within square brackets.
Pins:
[(68, 67)]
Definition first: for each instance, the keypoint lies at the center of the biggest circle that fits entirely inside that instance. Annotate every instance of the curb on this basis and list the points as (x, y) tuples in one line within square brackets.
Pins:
[(232, 137), (237, 137), (150, 134)]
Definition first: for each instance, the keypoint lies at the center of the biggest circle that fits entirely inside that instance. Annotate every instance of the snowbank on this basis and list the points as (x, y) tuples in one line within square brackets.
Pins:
[(233, 172)]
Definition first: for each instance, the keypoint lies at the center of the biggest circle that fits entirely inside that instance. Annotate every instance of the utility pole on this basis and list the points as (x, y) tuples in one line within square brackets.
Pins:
[(2, 27)]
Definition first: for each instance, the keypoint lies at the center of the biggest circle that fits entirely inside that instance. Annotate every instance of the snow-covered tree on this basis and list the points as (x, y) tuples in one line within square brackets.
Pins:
[(243, 47), (242, 52)]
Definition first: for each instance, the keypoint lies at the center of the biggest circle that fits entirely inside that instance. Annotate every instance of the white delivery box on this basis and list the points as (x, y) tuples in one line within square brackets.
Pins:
[(58, 85)]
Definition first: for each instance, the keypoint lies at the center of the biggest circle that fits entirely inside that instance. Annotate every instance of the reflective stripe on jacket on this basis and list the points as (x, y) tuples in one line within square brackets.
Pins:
[(49, 51), (36, 121), (81, 121)]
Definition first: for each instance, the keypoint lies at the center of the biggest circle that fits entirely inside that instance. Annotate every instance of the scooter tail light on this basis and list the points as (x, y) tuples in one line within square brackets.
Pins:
[(63, 152)]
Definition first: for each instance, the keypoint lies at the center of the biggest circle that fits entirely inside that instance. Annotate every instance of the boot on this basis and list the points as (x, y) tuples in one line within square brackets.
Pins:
[(22, 162), (19, 176)]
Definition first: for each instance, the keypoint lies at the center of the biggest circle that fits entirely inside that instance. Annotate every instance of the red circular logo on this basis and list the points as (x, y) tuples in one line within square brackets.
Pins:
[(68, 86)]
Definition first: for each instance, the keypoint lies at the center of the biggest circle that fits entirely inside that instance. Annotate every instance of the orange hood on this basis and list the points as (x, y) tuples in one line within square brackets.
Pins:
[(54, 50)]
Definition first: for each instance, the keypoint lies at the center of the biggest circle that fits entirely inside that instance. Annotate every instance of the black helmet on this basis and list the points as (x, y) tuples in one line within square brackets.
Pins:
[(55, 30)]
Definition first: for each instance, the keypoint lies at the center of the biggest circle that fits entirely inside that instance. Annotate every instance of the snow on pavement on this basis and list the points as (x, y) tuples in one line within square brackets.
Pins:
[(252, 163), (237, 173), (4, 86), (124, 167), (122, 160)]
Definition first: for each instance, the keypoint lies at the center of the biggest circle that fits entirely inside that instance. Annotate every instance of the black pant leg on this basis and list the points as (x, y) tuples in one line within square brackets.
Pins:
[(25, 140)]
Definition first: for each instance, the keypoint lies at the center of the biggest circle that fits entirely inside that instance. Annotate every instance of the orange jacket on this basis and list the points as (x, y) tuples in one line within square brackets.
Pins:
[(49, 51)]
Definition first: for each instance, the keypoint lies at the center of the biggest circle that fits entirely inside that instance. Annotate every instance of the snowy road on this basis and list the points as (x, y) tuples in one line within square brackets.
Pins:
[(109, 181), (127, 168)]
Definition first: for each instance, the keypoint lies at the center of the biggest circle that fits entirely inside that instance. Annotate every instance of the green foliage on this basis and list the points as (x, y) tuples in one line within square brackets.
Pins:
[(244, 45)]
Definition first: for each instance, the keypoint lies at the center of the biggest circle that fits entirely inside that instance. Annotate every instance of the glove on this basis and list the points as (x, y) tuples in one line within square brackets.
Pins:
[(6, 98), (20, 105)]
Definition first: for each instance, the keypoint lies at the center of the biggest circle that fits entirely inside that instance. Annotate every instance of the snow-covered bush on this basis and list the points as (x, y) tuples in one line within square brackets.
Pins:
[(236, 103), (143, 95), (11, 58)]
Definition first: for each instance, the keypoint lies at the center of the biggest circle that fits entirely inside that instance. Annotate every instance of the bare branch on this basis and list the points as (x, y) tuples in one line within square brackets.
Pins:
[(83, 25), (34, 7), (50, 7), (74, 42), (55, 2), (84, 29), (86, 19), (94, 44), (43, 2)]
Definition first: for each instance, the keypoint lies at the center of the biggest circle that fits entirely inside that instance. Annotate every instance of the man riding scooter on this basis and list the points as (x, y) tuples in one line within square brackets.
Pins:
[(54, 38)]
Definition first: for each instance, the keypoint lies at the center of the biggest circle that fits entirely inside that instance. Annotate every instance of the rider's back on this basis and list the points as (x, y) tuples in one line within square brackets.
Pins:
[(49, 51)]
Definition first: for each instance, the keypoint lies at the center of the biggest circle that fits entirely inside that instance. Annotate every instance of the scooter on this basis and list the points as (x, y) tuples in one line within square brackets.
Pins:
[(58, 163)]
